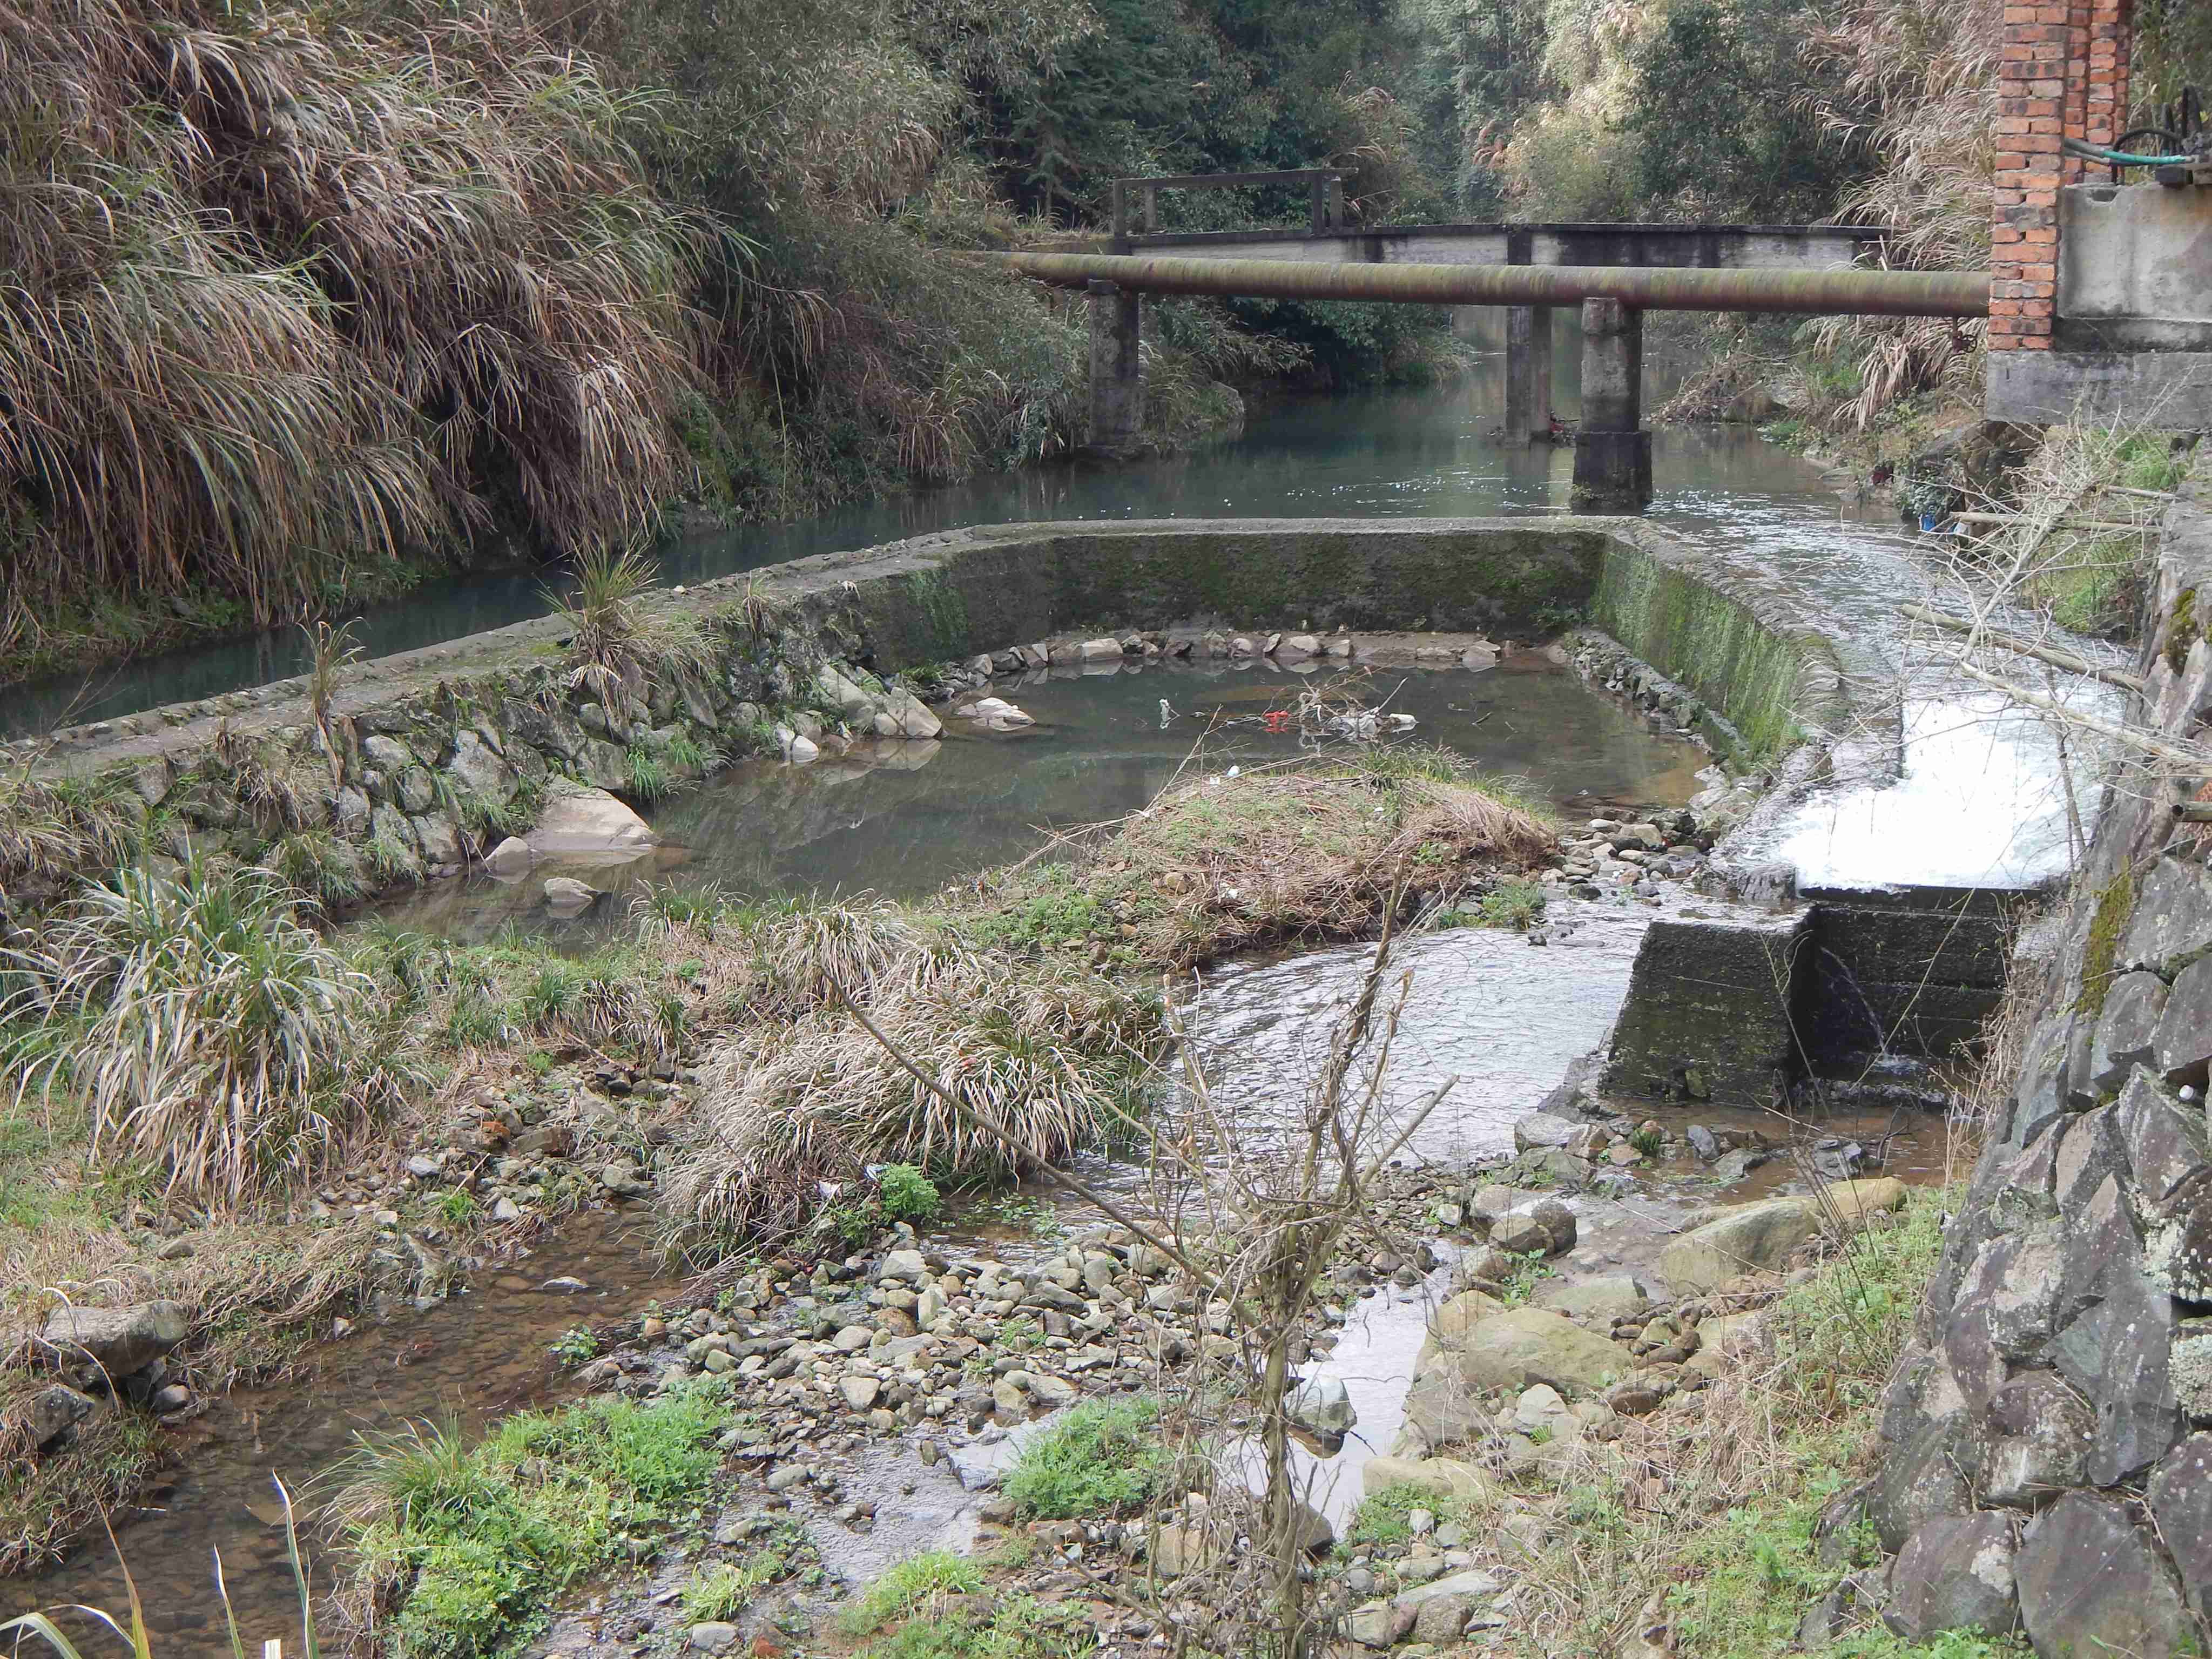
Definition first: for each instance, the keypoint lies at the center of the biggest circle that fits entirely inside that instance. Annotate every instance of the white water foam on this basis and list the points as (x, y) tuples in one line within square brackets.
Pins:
[(1981, 801)]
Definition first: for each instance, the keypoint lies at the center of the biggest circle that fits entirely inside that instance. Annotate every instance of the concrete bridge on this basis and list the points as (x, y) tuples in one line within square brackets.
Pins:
[(1612, 457)]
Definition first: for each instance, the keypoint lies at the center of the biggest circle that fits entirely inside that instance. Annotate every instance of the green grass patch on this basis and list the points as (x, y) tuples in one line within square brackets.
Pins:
[(1020, 1628), (1099, 1459), (470, 1545), (1385, 1518), (1221, 865), (913, 1586)]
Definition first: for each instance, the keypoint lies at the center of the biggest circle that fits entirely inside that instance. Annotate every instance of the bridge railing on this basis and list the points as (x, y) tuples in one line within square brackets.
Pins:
[(1324, 194)]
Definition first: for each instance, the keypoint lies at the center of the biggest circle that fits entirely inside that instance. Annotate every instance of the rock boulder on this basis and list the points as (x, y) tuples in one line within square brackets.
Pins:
[(1529, 1346), (2093, 1583), (1744, 1238), (1955, 1573), (589, 822), (119, 1340)]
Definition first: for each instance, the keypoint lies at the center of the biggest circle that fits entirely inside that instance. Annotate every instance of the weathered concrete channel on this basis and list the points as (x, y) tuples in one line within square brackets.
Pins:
[(426, 750)]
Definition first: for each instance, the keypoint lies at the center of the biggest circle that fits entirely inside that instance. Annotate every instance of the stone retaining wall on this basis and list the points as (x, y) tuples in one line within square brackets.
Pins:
[(418, 761), (2047, 1465)]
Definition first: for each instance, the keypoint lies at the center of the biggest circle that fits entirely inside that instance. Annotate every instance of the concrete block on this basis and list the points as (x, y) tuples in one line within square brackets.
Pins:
[(1709, 1011)]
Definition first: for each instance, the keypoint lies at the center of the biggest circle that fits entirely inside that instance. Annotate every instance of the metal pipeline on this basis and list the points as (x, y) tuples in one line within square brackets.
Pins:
[(1842, 292)]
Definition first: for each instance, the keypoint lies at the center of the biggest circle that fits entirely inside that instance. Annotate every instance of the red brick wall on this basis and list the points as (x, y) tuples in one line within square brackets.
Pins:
[(2063, 74)]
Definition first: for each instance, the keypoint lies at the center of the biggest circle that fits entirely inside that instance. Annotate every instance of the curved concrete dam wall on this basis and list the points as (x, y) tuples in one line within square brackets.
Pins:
[(417, 763)]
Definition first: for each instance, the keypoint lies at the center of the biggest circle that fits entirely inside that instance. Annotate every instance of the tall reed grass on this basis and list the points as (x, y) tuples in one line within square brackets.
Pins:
[(1918, 82), (291, 290), (211, 1032)]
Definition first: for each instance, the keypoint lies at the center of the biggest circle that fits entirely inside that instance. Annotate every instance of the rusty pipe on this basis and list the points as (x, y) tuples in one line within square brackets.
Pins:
[(1841, 292)]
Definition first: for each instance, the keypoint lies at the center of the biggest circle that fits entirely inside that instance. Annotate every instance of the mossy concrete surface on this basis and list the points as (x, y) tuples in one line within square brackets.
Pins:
[(1776, 682)]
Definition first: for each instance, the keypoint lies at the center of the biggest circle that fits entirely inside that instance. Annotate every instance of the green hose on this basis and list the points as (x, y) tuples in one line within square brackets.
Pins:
[(2122, 159)]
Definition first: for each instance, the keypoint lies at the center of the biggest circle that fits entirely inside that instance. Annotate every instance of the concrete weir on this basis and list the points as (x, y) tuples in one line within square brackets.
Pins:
[(495, 715)]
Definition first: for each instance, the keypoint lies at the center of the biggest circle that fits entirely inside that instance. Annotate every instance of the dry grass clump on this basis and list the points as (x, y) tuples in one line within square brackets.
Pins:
[(210, 1031), (53, 828), (1220, 865), (1695, 1530), (292, 289), (1919, 82), (1054, 1059)]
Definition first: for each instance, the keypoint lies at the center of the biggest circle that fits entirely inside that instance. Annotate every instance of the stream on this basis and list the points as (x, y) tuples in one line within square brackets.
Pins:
[(1503, 1013)]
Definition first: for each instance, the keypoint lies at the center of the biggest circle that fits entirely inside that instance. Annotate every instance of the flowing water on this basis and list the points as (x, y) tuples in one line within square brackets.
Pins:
[(1504, 1015)]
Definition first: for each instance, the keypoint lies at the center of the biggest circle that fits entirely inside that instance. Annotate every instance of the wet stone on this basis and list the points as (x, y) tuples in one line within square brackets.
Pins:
[(2038, 1099), (1955, 1572), (2184, 1044), (2181, 1503), (2173, 918), (2127, 1031), (1920, 1483), (2165, 1141), (2037, 1434), (2091, 1583)]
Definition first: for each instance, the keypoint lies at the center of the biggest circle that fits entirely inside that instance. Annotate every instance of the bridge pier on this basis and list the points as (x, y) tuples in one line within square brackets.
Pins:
[(1613, 452), (1117, 388), (1527, 375)]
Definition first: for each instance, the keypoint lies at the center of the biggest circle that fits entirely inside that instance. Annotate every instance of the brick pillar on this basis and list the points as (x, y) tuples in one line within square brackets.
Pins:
[(2063, 73)]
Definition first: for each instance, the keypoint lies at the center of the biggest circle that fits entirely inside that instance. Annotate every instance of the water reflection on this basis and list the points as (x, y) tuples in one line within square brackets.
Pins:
[(1428, 453), (905, 818)]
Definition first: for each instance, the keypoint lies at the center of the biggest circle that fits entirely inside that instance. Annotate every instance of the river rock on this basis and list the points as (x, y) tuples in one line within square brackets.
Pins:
[(861, 1392), (1374, 1626), (1458, 1315), (624, 1179), (1446, 1477), (1440, 1623), (843, 695), (566, 895), (52, 1410), (712, 1637), (1178, 1549), (1855, 1200), (510, 860), (1540, 1411), (590, 823), (1098, 650), (1298, 644), (1468, 1582), (440, 838), (1529, 1346), (1955, 1573), (119, 1340), (1599, 1301), (1745, 1238), (1323, 1406), (2092, 1583), (1443, 1408), (1545, 1227), (914, 718), (997, 714), (1545, 1129)]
